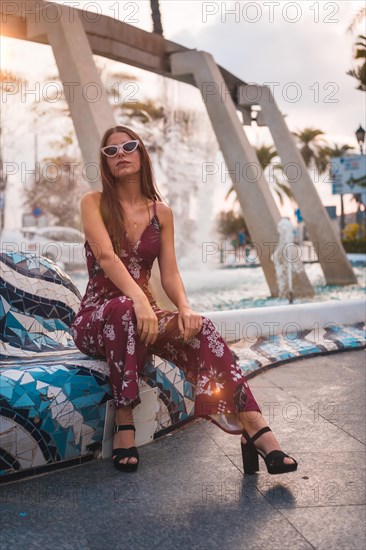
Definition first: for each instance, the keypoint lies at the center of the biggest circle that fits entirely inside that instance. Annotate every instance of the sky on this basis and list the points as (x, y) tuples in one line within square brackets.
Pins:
[(300, 48)]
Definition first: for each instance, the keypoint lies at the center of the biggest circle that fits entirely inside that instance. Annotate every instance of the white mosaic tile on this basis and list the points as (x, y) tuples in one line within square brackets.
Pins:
[(42, 288)]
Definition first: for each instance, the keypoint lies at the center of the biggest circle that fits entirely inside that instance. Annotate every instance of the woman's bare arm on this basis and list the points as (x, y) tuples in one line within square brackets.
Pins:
[(170, 278), (189, 322)]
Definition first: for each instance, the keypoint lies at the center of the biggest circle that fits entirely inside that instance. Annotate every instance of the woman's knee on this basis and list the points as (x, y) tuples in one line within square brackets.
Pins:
[(207, 324), (116, 308)]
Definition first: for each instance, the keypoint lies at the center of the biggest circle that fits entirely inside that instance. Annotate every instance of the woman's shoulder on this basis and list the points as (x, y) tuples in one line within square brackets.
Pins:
[(91, 196), (163, 208), (164, 212)]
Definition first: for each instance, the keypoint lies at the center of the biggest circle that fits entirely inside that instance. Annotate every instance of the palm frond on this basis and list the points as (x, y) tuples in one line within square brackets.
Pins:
[(357, 18)]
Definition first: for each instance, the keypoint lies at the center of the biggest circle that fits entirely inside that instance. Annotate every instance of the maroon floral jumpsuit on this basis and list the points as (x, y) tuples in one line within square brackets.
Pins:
[(105, 326)]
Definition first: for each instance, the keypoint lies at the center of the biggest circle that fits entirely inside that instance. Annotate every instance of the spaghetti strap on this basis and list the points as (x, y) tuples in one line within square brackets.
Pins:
[(154, 208)]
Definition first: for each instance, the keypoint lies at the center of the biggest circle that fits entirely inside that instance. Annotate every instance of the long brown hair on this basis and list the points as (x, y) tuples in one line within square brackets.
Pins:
[(110, 206)]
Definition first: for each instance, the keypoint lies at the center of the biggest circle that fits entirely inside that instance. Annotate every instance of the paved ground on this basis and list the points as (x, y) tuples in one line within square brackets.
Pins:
[(190, 493)]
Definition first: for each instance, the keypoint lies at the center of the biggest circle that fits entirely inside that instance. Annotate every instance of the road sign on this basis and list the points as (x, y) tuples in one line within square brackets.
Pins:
[(348, 174)]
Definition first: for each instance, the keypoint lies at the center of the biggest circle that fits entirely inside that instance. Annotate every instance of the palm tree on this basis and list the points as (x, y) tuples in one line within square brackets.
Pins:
[(310, 148), (357, 18), (156, 17), (360, 71), (7, 81), (265, 155)]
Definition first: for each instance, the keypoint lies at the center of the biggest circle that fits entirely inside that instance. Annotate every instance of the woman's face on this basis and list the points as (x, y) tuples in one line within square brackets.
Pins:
[(123, 164)]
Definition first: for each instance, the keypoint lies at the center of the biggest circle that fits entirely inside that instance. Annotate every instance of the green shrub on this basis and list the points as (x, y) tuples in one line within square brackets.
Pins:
[(355, 246)]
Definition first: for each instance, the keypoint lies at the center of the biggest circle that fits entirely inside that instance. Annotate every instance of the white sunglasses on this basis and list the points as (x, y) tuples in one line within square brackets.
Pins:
[(127, 147)]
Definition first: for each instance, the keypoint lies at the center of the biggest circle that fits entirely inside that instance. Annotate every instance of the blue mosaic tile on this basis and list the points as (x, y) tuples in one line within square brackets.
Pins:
[(50, 398), (249, 366)]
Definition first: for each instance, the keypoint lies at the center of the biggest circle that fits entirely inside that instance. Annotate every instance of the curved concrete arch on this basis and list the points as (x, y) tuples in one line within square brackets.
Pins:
[(74, 39)]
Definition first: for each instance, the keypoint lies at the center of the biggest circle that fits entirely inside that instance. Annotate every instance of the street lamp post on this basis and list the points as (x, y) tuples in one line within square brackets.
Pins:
[(360, 136)]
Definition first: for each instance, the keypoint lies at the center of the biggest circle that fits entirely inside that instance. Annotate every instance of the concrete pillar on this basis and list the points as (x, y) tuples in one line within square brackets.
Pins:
[(89, 107), (91, 119), (324, 236), (259, 208)]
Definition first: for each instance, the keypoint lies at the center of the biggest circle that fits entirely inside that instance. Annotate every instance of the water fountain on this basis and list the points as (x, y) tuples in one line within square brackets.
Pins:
[(286, 259), (55, 403)]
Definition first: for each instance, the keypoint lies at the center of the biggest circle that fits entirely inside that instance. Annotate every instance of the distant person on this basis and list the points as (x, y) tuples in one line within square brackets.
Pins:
[(241, 241), (241, 237), (126, 227)]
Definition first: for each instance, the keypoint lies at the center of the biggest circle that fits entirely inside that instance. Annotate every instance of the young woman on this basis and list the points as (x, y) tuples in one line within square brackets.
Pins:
[(126, 227)]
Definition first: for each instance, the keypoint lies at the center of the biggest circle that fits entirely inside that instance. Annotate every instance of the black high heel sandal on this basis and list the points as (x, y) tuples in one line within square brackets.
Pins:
[(273, 460), (124, 453)]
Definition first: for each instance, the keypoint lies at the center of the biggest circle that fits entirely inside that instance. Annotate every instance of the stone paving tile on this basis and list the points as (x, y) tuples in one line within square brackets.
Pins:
[(190, 491), (331, 527)]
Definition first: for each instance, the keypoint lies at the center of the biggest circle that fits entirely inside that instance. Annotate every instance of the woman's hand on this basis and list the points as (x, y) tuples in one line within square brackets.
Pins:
[(189, 322), (147, 321)]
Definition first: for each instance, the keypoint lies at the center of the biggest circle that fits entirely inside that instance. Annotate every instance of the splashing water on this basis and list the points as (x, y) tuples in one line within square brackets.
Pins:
[(286, 258)]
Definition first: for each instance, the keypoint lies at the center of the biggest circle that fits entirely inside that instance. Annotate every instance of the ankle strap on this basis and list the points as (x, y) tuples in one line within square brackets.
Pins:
[(257, 434), (260, 432), (123, 427)]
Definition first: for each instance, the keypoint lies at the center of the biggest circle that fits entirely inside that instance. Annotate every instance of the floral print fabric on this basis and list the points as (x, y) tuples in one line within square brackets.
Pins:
[(105, 326)]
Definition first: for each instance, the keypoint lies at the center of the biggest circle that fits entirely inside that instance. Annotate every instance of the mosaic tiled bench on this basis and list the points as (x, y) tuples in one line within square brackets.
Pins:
[(56, 403)]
